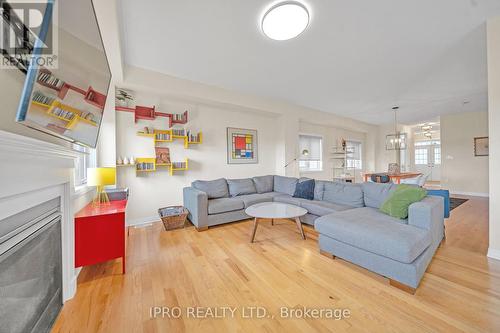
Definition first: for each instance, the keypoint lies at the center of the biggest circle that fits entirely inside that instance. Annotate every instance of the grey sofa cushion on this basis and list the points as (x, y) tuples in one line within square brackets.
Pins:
[(264, 184), (344, 194), (319, 188), (241, 186), (252, 199), (213, 188), (223, 205), (285, 185), (375, 193), (321, 208), (369, 229)]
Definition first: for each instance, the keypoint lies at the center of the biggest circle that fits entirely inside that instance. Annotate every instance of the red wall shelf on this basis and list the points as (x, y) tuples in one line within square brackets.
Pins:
[(149, 113), (95, 98), (91, 96)]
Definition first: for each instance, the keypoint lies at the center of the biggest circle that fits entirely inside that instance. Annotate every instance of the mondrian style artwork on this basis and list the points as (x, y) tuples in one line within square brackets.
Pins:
[(242, 146)]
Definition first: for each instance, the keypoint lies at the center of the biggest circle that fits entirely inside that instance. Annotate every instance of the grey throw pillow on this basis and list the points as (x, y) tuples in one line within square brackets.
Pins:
[(213, 188), (241, 186), (344, 194), (285, 185), (264, 184)]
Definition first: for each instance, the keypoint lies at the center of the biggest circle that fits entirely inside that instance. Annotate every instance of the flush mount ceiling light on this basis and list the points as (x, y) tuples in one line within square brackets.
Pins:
[(285, 20)]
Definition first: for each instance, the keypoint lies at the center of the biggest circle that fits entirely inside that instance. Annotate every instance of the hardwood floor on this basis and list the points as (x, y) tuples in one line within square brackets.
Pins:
[(220, 268)]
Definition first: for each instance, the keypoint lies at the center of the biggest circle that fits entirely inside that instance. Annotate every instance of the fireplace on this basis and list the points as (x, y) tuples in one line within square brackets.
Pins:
[(31, 278)]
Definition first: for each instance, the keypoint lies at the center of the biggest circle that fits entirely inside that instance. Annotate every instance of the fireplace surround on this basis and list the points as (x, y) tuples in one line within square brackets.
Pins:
[(31, 269)]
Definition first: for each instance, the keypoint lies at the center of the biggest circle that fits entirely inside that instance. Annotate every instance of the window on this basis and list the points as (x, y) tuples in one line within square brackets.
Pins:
[(421, 156), (84, 161), (428, 152), (354, 159), (313, 160), (437, 155)]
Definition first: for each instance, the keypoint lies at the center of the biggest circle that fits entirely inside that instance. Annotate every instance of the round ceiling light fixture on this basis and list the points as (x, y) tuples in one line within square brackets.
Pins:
[(285, 20)]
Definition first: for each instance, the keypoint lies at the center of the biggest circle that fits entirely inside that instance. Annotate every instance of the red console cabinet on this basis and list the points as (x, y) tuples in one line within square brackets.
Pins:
[(100, 233)]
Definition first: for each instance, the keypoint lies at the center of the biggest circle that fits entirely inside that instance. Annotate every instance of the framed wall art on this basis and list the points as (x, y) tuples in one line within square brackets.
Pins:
[(242, 147), (481, 146)]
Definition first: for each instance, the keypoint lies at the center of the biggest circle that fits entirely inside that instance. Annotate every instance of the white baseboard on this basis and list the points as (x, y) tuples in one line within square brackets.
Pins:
[(142, 220), (494, 253), (471, 194)]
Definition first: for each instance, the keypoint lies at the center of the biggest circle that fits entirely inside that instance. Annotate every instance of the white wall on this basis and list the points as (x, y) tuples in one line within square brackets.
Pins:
[(150, 191), (493, 31), (461, 171), (331, 137), (212, 110)]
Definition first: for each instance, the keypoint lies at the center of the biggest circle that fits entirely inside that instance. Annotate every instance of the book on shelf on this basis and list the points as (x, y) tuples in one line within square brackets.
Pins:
[(193, 137), (49, 79), (62, 113), (178, 165), (179, 131), (179, 117), (145, 166), (163, 136), (40, 97), (162, 155)]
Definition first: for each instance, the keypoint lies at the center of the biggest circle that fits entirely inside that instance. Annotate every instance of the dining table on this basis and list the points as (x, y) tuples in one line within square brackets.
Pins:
[(395, 178)]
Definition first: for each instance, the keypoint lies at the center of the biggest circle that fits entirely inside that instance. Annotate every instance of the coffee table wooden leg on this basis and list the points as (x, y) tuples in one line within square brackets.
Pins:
[(299, 225), (255, 222), (272, 221)]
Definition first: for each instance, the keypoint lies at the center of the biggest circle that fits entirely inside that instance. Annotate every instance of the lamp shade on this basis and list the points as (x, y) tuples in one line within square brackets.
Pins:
[(101, 176)]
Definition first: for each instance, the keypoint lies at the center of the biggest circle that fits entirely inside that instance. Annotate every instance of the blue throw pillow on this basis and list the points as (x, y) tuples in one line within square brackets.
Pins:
[(305, 190)]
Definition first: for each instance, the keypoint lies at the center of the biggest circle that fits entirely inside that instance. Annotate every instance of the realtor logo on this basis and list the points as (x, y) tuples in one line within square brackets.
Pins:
[(27, 37)]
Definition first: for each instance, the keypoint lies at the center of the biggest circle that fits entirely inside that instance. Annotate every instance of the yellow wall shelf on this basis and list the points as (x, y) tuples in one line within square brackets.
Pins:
[(145, 164), (172, 168), (149, 135), (163, 136), (187, 142)]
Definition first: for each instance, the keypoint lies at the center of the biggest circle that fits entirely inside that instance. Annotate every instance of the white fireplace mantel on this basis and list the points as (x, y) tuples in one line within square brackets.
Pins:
[(32, 172)]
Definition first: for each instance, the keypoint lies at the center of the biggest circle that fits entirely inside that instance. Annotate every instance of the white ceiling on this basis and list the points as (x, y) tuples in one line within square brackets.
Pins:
[(357, 58)]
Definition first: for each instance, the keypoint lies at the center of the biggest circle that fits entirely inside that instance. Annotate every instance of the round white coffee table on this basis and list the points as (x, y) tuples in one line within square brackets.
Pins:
[(275, 210)]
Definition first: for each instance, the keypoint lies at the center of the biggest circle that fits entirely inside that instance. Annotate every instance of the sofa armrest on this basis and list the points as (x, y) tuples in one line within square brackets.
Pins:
[(196, 202), (428, 214)]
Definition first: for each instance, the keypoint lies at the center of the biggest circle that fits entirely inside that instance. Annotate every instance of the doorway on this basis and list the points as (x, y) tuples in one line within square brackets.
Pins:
[(428, 158)]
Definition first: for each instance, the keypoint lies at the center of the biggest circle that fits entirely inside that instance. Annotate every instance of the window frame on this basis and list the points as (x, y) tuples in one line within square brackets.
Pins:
[(87, 159), (358, 163), (305, 165)]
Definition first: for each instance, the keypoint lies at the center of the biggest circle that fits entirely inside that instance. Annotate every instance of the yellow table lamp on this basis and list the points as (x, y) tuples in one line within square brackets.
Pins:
[(101, 177)]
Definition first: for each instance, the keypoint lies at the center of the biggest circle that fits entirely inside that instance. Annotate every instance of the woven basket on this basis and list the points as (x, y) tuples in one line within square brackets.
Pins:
[(176, 221)]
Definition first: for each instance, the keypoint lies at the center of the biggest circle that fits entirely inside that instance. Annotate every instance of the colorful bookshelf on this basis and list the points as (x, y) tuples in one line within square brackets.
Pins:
[(179, 166), (163, 136), (193, 139), (178, 118), (64, 112), (49, 80), (145, 164)]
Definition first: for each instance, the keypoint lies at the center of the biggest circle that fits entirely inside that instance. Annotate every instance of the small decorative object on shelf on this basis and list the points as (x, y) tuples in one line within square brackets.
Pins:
[(123, 97), (125, 160), (173, 217), (132, 160), (119, 161)]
